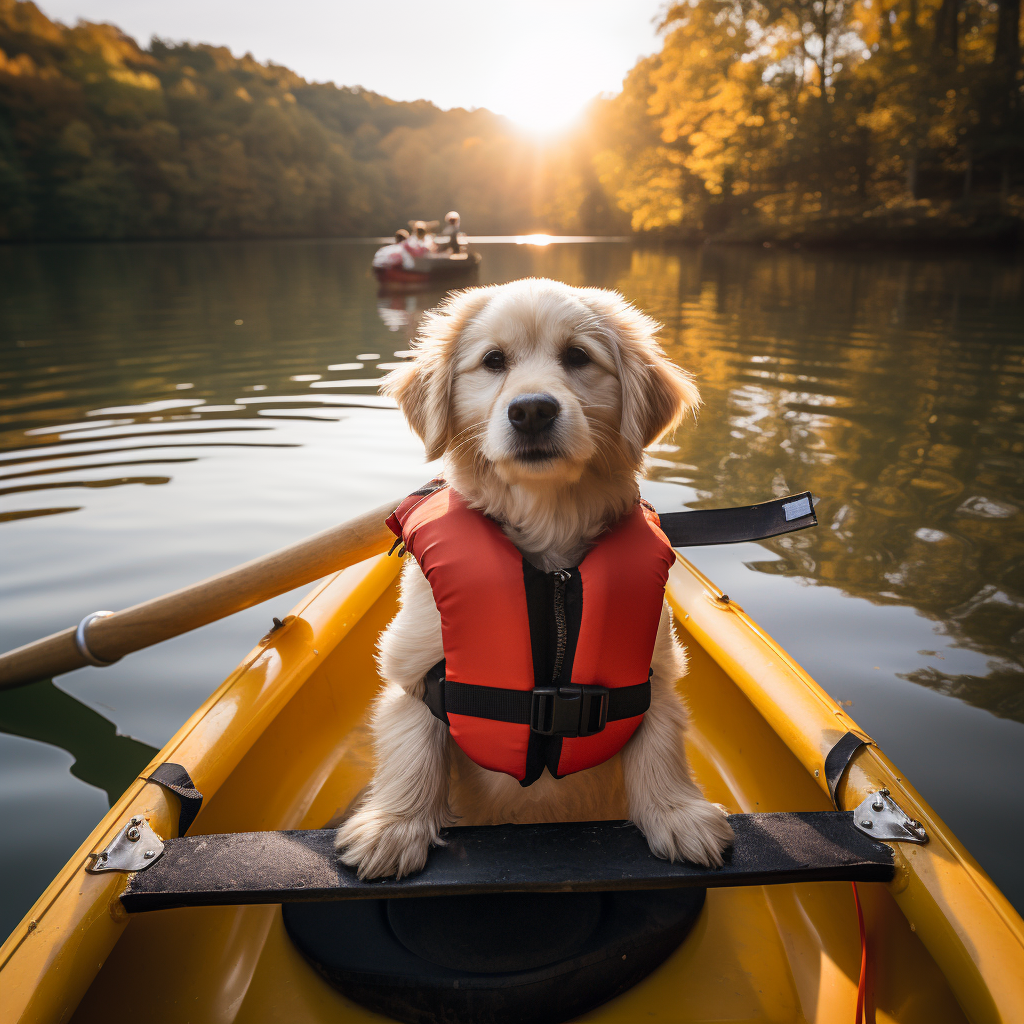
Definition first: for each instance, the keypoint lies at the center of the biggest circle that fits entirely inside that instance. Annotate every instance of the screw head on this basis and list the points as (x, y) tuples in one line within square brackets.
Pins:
[(867, 823), (883, 792), (877, 805), (149, 853), (134, 834)]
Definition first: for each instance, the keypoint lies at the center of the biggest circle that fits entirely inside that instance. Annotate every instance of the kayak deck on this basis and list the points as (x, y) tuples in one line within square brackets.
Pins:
[(283, 744)]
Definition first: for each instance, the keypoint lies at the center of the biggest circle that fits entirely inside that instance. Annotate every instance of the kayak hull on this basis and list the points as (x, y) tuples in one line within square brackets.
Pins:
[(283, 744)]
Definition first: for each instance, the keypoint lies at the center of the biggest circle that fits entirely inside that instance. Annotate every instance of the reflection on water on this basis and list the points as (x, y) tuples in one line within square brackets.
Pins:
[(167, 411), (103, 757), (894, 389), (401, 312)]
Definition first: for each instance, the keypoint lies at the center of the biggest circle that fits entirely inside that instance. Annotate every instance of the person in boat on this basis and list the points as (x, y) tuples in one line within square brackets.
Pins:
[(447, 239), (416, 246), (391, 255)]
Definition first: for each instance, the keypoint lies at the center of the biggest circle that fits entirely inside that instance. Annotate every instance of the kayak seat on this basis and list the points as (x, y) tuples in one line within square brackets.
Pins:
[(502, 958)]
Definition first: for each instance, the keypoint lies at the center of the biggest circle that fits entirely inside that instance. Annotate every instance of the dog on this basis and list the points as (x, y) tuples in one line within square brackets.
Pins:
[(591, 387)]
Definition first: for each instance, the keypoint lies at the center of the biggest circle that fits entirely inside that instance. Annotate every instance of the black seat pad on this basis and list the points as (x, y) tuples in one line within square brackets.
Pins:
[(504, 958)]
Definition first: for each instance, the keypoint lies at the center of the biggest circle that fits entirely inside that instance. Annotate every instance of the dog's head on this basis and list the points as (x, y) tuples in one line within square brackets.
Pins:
[(538, 382)]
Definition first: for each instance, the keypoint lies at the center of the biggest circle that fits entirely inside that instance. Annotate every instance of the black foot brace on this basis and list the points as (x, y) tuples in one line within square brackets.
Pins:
[(282, 867), (512, 924)]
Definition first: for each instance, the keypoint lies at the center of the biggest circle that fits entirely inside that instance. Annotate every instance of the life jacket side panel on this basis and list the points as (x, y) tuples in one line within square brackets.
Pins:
[(624, 579), (476, 576)]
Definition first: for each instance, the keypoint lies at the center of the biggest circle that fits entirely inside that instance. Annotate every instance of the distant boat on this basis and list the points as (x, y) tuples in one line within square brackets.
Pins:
[(428, 269)]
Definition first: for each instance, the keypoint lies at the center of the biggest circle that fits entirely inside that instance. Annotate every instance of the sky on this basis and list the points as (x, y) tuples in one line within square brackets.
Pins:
[(538, 62)]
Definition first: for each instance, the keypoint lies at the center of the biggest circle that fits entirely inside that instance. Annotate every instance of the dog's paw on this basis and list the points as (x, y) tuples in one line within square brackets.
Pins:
[(379, 845), (697, 831)]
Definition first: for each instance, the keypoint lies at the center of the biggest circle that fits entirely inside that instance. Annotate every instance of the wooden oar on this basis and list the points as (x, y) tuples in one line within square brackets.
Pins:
[(113, 636)]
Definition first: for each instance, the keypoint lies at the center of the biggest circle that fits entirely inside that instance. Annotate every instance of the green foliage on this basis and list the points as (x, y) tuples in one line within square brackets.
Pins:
[(100, 138)]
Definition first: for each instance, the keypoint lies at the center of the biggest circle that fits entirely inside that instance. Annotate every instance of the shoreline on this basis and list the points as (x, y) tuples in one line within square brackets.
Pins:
[(908, 228)]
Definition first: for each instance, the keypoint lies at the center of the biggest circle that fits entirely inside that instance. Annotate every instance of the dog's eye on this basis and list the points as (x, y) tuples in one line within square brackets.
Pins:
[(576, 356), (495, 360)]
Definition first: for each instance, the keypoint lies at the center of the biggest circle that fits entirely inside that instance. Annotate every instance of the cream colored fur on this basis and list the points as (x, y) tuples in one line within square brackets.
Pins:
[(622, 399)]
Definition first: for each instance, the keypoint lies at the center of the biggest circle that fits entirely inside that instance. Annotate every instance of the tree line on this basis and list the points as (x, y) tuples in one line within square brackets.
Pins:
[(757, 117), (100, 138), (770, 111)]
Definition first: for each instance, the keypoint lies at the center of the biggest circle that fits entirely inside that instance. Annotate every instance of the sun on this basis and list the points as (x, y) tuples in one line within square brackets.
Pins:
[(543, 115), (545, 103)]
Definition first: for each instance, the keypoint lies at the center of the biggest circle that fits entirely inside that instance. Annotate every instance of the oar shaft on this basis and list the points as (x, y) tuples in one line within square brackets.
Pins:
[(161, 618)]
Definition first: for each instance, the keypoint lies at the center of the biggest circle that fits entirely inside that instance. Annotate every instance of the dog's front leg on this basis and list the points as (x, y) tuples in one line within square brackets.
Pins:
[(664, 801), (406, 803)]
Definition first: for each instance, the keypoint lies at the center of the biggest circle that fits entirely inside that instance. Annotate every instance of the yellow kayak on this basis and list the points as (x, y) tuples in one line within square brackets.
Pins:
[(282, 745)]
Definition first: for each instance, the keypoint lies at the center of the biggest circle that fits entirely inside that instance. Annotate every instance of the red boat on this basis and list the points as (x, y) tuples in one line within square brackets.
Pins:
[(430, 269)]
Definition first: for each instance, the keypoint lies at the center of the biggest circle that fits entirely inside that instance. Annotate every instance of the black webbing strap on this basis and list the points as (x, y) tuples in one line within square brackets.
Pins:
[(837, 761), (516, 706), (695, 527), (175, 778), (744, 523)]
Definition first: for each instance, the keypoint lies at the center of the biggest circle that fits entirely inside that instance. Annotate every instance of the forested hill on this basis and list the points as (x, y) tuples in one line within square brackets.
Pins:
[(825, 119), (100, 138), (798, 120)]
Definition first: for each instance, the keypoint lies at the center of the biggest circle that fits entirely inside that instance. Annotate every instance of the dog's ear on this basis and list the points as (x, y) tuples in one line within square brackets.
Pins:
[(423, 388), (656, 393)]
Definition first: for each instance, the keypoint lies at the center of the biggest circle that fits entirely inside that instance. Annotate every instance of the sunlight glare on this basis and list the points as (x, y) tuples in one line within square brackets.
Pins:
[(534, 239), (544, 65), (546, 108), (545, 97)]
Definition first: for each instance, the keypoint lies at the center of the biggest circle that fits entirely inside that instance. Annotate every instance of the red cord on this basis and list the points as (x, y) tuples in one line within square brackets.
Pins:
[(864, 1014)]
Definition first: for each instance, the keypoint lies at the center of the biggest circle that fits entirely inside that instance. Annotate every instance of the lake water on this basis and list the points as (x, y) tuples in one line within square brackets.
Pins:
[(168, 411)]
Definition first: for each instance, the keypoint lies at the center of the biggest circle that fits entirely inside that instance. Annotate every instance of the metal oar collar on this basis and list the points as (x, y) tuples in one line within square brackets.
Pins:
[(82, 644)]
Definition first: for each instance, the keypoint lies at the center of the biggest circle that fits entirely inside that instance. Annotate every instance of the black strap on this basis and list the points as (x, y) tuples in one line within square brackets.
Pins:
[(837, 761), (733, 525), (444, 696), (720, 525), (177, 779)]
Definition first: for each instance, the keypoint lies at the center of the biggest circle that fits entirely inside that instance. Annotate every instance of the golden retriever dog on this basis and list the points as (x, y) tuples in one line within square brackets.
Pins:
[(540, 399)]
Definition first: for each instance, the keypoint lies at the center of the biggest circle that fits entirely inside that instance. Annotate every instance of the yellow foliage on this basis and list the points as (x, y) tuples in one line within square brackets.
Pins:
[(136, 79), (753, 106)]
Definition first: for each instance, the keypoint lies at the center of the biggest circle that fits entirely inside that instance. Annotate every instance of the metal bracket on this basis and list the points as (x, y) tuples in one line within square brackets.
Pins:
[(134, 848), (880, 817)]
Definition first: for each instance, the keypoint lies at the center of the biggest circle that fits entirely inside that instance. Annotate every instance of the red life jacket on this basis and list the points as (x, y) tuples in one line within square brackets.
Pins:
[(541, 669)]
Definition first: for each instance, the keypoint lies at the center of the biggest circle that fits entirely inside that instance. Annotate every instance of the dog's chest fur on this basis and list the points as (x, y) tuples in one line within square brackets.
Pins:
[(553, 527)]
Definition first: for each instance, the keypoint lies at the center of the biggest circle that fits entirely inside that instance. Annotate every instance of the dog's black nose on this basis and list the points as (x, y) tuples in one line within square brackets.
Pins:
[(530, 414)]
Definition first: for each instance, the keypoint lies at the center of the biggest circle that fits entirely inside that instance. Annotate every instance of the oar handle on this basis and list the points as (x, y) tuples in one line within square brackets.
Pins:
[(112, 636)]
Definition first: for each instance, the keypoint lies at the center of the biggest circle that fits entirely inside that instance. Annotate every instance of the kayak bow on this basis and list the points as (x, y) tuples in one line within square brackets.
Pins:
[(282, 745)]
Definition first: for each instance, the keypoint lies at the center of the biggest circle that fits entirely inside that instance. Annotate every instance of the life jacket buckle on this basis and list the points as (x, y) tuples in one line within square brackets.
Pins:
[(569, 711)]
